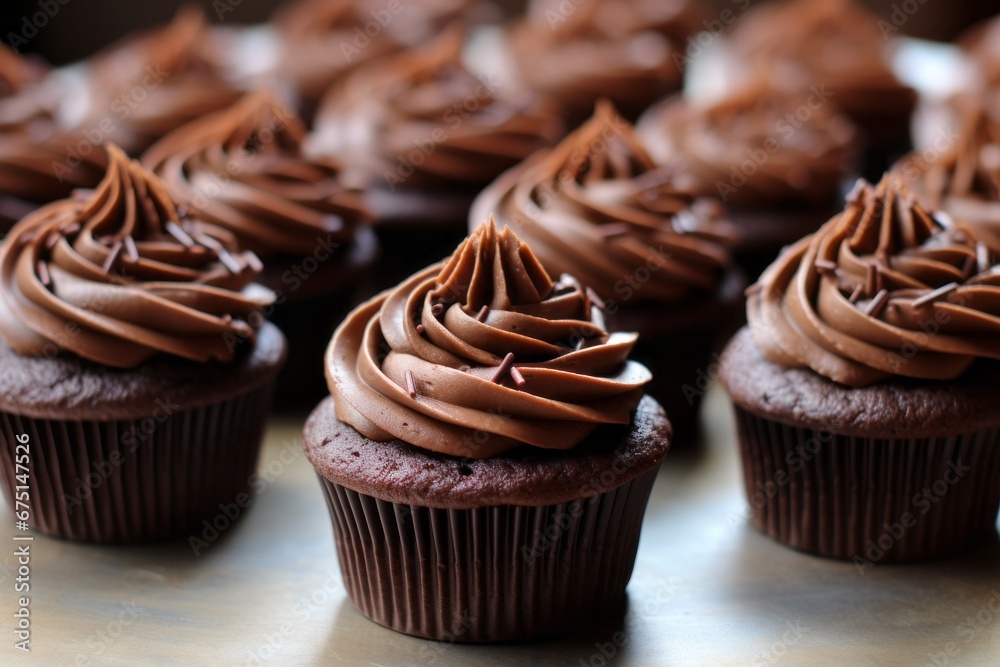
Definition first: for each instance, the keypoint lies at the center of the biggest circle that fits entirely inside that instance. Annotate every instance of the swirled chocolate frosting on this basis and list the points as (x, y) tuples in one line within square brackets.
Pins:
[(964, 181), (152, 83), (483, 354), (837, 44), (324, 39), (883, 289), (630, 51), (118, 278), (597, 206), (243, 169), (424, 119), (756, 147)]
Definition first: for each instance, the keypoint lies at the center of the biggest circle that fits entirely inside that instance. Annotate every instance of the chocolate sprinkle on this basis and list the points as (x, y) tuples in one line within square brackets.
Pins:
[(230, 262), (596, 299), (131, 250), (876, 305), (613, 229), (253, 261), (516, 376), (411, 387), (175, 230), (825, 266), (437, 309), (483, 312), (982, 257), (43, 273), (112, 259), (856, 294), (420, 328), (935, 294), (504, 368)]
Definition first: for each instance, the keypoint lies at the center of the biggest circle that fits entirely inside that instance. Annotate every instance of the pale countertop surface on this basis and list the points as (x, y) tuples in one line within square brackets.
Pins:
[(707, 590)]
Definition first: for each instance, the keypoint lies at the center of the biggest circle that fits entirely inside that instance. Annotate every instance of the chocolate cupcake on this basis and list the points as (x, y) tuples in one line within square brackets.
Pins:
[(867, 383), (965, 181), (597, 206), (151, 83), (474, 407), (778, 161), (243, 170), (835, 47), (632, 52), (33, 166), (425, 133), (320, 41), (982, 43), (137, 370)]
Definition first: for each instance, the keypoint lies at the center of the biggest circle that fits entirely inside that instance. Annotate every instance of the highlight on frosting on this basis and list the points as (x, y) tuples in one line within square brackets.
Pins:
[(149, 84), (325, 39), (243, 170), (483, 354), (597, 206), (630, 51), (118, 276), (424, 119), (884, 289), (758, 145)]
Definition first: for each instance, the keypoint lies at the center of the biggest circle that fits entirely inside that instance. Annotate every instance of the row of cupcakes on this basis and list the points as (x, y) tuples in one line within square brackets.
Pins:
[(483, 400)]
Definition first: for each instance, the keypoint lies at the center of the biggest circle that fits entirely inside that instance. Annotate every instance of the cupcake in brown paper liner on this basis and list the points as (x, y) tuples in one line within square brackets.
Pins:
[(866, 385), (243, 170), (487, 452), (598, 206), (137, 369)]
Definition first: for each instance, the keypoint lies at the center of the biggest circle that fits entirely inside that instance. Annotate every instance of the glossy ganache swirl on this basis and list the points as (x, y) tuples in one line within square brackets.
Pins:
[(883, 289), (837, 45), (152, 83), (117, 277), (964, 181), (751, 148), (243, 169), (597, 206), (483, 354), (321, 40), (424, 119), (630, 51)]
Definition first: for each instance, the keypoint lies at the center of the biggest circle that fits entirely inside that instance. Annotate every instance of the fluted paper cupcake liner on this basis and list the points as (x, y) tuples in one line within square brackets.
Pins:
[(487, 574), (136, 480), (866, 499)]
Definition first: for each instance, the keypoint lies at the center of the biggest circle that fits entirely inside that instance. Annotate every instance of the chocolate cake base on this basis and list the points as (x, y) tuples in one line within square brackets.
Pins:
[(897, 471), (515, 547), (132, 455)]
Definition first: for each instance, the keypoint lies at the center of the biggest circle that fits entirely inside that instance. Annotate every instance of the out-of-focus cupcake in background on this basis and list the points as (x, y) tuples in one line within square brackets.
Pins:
[(150, 83), (982, 43), (964, 182), (777, 160), (243, 170), (657, 258), (835, 47), (631, 52), (424, 132), (322, 40)]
